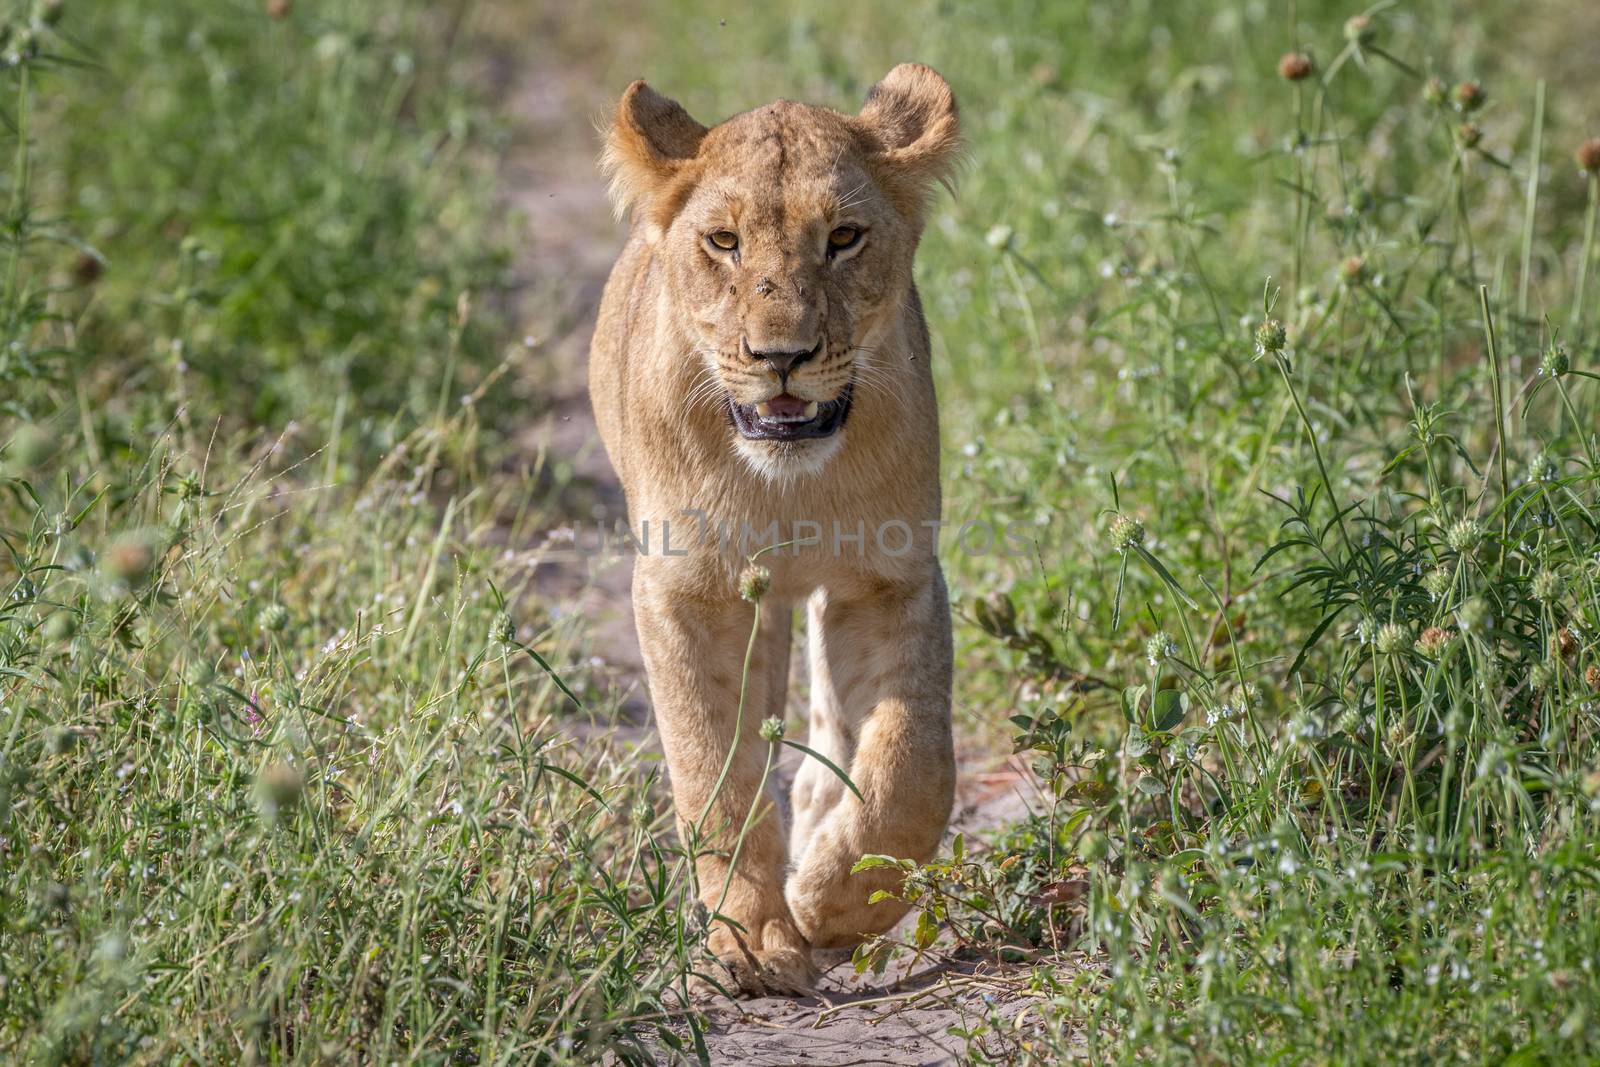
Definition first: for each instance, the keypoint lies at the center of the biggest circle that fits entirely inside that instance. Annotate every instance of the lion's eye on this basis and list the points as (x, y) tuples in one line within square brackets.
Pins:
[(843, 237), (726, 240)]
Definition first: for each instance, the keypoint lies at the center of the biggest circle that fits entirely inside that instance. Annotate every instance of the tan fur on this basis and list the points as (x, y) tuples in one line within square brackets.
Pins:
[(668, 352)]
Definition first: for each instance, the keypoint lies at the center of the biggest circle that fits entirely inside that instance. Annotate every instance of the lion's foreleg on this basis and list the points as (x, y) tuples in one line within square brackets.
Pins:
[(885, 662), (694, 654)]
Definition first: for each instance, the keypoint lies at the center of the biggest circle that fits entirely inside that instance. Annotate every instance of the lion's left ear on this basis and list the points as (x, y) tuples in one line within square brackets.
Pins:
[(913, 133), (650, 143)]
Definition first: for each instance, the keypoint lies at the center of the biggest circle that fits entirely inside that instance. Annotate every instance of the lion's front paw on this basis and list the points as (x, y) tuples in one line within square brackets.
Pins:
[(777, 963)]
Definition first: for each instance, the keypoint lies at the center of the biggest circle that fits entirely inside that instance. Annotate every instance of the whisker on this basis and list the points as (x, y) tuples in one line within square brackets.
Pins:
[(703, 390), (874, 375), (851, 199)]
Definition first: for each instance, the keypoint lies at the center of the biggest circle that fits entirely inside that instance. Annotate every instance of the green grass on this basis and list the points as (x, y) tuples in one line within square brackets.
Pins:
[(281, 781), (276, 786)]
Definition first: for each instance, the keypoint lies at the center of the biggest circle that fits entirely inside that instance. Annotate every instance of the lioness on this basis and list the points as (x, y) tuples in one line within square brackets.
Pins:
[(760, 366)]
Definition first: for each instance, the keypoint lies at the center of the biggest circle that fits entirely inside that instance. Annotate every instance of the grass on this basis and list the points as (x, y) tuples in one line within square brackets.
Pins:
[(1292, 378), (282, 780)]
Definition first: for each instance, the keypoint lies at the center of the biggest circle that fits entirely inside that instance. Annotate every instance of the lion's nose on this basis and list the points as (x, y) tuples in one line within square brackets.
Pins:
[(781, 360)]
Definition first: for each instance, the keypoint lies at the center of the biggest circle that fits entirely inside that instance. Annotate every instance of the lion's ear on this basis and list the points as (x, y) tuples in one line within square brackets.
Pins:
[(649, 143), (913, 133)]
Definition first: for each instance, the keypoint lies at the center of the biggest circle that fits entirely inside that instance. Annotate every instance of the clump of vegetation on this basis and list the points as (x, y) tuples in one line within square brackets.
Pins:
[(285, 773), (1330, 789)]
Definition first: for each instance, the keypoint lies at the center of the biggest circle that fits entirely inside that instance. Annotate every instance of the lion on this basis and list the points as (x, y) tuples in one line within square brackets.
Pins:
[(760, 365)]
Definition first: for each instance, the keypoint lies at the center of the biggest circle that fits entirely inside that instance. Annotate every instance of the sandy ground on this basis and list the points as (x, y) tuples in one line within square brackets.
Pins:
[(903, 1017)]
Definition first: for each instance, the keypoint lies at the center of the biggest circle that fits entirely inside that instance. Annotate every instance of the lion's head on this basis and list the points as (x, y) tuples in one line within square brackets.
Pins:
[(786, 237)]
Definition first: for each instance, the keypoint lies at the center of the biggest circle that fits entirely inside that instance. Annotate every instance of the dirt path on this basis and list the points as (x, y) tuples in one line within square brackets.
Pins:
[(550, 95), (549, 179), (902, 1017)]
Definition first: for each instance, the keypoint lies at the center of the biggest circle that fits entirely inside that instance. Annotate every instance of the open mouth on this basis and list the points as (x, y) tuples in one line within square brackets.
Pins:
[(788, 418)]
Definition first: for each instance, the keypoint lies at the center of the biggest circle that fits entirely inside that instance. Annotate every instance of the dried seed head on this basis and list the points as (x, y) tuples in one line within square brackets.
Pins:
[(1555, 362), (278, 9), (1349, 721), (1438, 581), (1588, 156), (1295, 66), (772, 730), (1270, 338), (1393, 638), (1468, 134), (1464, 536), (274, 618), (1474, 617), (1547, 586), (643, 812), (1127, 533), (1358, 29), (132, 557), (1353, 271), (1395, 738), (1566, 643), (1469, 96), (1160, 648), (1435, 92), (754, 582), (1433, 642), (87, 269), (1591, 677)]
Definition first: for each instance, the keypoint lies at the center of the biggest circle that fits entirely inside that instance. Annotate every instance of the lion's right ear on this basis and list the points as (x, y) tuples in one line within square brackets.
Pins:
[(650, 143)]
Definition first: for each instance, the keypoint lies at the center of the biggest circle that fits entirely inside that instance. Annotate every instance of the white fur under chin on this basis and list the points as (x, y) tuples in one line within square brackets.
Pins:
[(781, 463)]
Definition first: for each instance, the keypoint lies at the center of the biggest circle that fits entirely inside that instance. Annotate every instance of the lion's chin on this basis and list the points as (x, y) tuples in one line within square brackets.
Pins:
[(781, 462)]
